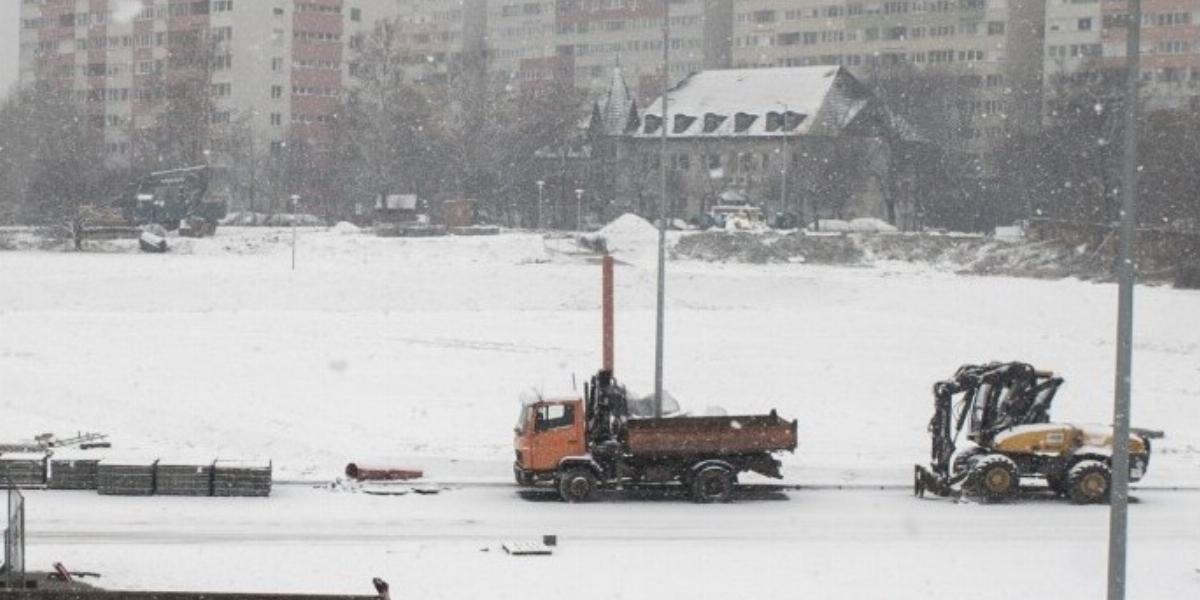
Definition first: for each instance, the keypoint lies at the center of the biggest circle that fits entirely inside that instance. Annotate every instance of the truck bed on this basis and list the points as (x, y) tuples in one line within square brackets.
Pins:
[(682, 436)]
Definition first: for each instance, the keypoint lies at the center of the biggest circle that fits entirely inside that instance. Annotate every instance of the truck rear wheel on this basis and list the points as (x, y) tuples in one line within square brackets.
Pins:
[(712, 484), (1089, 482), (576, 485)]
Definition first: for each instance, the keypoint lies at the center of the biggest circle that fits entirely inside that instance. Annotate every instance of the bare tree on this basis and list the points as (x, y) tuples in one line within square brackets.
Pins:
[(59, 169)]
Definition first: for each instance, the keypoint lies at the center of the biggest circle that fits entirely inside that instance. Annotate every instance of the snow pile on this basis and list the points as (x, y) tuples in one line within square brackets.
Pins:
[(630, 238), (871, 225), (833, 225), (345, 227), (247, 219), (1011, 233), (860, 225)]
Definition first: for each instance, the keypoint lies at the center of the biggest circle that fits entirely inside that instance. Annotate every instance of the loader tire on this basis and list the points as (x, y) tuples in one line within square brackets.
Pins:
[(712, 484), (994, 478), (576, 485), (1089, 482)]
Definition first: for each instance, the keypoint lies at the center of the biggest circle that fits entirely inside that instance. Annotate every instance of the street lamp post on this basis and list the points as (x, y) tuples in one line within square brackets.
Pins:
[(579, 210), (541, 185), (1118, 523), (295, 217), (659, 329), (783, 157)]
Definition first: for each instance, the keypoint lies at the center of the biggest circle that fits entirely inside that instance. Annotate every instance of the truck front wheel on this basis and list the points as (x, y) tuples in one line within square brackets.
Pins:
[(712, 484), (576, 485)]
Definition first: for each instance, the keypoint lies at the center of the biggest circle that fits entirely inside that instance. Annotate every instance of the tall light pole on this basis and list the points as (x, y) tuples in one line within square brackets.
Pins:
[(1118, 524), (783, 157), (662, 218), (579, 210), (295, 217), (541, 184)]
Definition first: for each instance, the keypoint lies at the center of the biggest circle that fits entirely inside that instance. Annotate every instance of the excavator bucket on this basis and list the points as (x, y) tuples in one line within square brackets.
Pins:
[(925, 480)]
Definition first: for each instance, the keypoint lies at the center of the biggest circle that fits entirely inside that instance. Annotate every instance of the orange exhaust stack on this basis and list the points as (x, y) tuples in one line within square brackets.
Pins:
[(608, 312)]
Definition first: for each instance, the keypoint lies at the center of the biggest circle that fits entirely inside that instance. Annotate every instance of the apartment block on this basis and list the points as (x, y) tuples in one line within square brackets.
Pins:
[(581, 41), (437, 37), (274, 66), (993, 48), (1170, 48)]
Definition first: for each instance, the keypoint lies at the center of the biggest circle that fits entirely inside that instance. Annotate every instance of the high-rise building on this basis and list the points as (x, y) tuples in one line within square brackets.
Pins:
[(437, 37), (276, 67), (581, 41), (1170, 48), (1088, 35)]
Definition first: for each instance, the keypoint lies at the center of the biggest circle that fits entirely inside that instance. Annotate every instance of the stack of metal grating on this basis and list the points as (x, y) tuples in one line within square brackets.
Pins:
[(74, 469), (184, 477), (26, 469), (241, 478), (125, 477)]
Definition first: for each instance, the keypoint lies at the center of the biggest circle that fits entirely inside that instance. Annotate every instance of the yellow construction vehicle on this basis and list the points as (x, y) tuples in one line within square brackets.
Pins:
[(1004, 408)]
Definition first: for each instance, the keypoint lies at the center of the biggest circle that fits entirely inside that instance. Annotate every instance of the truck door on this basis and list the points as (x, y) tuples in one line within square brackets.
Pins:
[(557, 433)]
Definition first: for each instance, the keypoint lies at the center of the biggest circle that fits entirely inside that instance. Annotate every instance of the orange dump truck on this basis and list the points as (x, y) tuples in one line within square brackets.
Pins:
[(583, 444)]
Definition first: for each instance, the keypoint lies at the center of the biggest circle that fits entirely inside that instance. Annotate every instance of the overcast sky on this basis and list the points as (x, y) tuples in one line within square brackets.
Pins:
[(10, 21)]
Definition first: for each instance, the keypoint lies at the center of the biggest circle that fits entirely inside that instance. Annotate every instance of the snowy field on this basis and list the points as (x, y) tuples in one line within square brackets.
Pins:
[(413, 351)]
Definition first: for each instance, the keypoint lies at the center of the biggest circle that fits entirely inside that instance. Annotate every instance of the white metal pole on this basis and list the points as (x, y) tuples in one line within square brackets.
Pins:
[(579, 210), (540, 184), (295, 217), (783, 157), (1118, 526), (662, 218)]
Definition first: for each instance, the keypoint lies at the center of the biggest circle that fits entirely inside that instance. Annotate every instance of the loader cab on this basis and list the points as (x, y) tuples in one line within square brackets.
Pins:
[(548, 431)]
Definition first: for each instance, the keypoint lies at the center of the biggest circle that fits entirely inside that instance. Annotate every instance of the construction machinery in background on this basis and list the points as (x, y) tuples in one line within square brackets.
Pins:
[(178, 199), (606, 439), (1004, 409)]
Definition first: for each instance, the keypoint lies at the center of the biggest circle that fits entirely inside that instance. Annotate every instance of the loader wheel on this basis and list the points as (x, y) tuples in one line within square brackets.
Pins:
[(1089, 482), (995, 478), (576, 485), (712, 484)]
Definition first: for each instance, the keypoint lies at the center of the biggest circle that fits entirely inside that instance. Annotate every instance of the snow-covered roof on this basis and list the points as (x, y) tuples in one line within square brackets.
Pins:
[(772, 102)]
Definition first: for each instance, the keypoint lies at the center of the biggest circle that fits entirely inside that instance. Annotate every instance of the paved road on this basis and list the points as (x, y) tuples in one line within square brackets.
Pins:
[(850, 543)]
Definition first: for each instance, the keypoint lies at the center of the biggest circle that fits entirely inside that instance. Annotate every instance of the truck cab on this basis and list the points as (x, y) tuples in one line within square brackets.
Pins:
[(547, 431)]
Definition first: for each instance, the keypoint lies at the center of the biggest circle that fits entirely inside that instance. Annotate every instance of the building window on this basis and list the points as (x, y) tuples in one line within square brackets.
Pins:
[(276, 64), (276, 119), (764, 16), (356, 14), (276, 92), (1085, 24), (995, 27)]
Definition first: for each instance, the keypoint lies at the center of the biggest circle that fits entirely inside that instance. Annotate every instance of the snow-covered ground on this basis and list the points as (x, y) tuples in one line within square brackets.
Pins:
[(805, 544), (413, 351)]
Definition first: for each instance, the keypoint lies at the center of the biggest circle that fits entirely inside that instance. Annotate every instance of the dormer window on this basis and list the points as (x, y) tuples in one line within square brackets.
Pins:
[(652, 123), (743, 121), (712, 121), (683, 122)]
